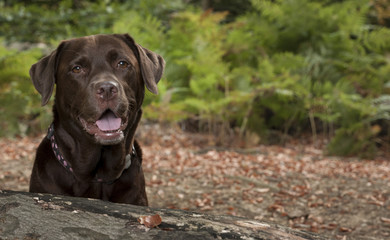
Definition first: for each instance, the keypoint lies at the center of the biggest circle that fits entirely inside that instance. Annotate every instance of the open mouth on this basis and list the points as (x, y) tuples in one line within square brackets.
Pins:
[(108, 129), (108, 122)]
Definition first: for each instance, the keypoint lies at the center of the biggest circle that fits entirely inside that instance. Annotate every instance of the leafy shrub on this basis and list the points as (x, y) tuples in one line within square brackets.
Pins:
[(19, 102), (282, 66)]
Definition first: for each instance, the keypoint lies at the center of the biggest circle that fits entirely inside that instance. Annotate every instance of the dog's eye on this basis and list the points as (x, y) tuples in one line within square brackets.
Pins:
[(122, 64), (76, 69)]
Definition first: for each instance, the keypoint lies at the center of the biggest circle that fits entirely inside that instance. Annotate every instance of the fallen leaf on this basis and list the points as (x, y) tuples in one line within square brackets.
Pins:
[(150, 221), (375, 201), (386, 220), (345, 229), (262, 190)]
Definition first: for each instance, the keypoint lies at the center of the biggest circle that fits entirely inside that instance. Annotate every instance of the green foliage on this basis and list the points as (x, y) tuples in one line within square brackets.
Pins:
[(44, 22), (356, 139), (339, 76), (282, 65), (19, 101), (48, 20)]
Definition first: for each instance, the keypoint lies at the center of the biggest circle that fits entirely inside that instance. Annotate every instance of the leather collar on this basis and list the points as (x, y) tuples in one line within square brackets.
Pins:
[(67, 165)]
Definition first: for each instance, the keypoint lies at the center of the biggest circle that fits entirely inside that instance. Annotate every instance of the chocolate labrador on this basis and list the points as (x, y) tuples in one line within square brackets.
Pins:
[(90, 150)]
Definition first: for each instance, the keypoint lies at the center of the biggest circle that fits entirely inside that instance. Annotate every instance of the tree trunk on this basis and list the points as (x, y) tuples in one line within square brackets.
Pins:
[(44, 216)]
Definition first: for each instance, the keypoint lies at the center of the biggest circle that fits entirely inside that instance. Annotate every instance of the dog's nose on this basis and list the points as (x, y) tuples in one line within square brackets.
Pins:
[(107, 90)]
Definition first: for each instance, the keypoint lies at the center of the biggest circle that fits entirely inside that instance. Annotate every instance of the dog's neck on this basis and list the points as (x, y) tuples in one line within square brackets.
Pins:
[(99, 162), (67, 165)]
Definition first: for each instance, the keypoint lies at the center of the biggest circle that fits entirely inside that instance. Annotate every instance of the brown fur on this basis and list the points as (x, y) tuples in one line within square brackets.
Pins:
[(79, 102)]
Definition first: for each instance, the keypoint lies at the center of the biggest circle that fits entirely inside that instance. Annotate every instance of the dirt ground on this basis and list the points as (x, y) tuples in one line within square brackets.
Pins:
[(294, 185)]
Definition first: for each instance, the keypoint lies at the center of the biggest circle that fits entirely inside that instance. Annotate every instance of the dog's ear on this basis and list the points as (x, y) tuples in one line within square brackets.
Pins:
[(152, 65), (43, 73)]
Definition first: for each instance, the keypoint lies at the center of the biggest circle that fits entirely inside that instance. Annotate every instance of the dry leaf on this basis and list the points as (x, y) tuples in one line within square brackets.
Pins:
[(345, 229), (262, 190), (150, 221), (386, 220)]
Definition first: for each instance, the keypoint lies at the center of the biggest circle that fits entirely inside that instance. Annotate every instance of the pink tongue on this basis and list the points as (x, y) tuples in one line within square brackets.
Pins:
[(108, 122)]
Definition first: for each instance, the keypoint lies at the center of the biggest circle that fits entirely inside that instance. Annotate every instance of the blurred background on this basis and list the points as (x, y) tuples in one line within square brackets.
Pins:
[(251, 71)]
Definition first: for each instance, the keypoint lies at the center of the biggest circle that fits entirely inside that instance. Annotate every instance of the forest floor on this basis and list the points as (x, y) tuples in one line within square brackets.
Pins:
[(294, 185)]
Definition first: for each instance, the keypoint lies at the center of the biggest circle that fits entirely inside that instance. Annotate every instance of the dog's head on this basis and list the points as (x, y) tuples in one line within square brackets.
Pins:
[(100, 83)]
